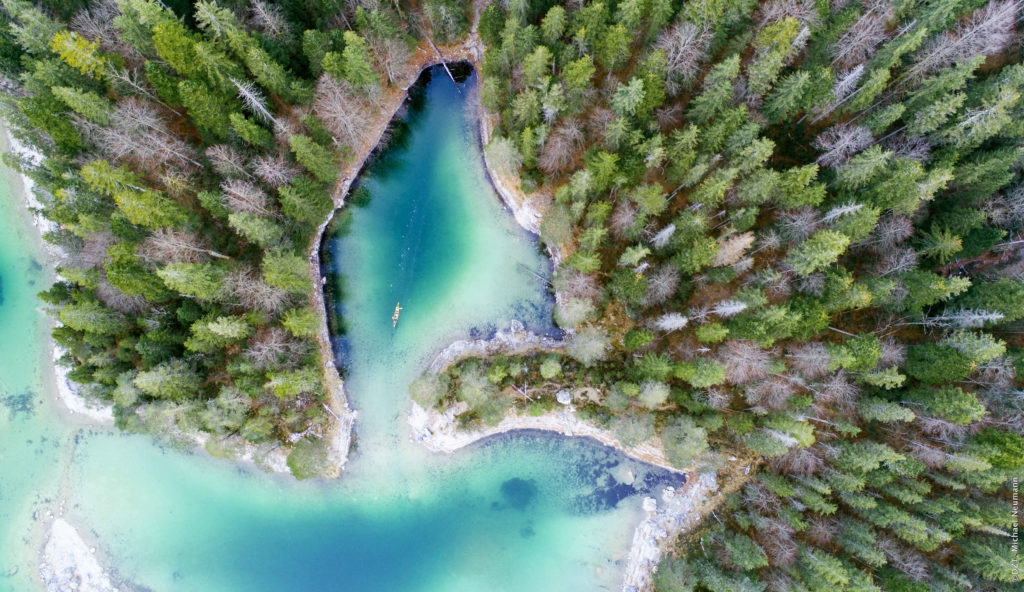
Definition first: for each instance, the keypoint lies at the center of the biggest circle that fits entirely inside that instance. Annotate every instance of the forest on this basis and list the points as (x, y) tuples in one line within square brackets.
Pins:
[(788, 232), (185, 155)]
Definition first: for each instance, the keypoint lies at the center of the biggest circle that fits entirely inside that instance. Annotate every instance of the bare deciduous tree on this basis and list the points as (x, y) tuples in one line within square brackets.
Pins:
[(97, 24), (662, 284), (930, 456), (92, 252), (138, 134), (588, 345), (243, 196), (796, 225), (575, 283), (822, 530), (776, 538), (503, 156), (570, 311), (840, 142), (893, 352), (392, 55), (227, 161), (274, 169), (799, 462), (167, 245), (986, 31), (118, 300), (837, 390), (1006, 210), (699, 314), (757, 496), (939, 428), (717, 398), (744, 361), (775, 283), (769, 240), (859, 40), (809, 359), (912, 147), (598, 121), (811, 284), (623, 218), (685, 48), (802, 10), (906, 559), (669, 116), (996, 374), (562, 147), (890, 231), (771, 394), (276, 347), (250, 291), (896, 260), (343, 111)]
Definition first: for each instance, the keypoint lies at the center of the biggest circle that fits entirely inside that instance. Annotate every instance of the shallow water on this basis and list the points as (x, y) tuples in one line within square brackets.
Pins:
[(31, 440), (527, 511)]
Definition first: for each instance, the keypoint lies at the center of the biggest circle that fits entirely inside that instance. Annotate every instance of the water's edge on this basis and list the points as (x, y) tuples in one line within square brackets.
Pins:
[(526, 214), (650, 536)]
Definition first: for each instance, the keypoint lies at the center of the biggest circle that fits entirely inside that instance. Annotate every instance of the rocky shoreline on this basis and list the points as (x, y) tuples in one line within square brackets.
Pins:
[(512, 341), (655, 535)]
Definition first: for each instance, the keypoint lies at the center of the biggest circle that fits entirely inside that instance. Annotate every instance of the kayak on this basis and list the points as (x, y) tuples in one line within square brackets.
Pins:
[(394, 317)]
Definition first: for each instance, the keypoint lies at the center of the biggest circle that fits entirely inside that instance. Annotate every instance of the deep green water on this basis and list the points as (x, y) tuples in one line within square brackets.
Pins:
[(522, 512)]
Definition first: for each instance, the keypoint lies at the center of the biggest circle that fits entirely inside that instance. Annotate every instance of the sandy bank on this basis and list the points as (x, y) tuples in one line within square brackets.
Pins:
[(68, 393), (69, 564), (439, 431), (27, 188)]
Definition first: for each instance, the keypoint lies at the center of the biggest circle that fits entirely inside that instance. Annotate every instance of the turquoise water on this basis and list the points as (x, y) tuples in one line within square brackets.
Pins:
[(32, 441), (527, 511)]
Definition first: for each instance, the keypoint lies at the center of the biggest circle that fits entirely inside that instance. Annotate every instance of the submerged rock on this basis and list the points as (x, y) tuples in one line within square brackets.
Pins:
[(69, 565), (518, 493)]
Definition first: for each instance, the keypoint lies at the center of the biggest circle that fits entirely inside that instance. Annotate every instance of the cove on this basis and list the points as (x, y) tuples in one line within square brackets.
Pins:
[(522, 511)]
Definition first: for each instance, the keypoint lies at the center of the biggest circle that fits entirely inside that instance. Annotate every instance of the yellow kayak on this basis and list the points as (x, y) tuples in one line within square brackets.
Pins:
[(394, 317)]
